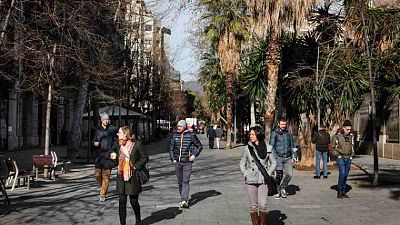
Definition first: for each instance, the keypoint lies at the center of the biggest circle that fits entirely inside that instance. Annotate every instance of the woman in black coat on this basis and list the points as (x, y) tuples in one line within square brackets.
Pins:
[(131, 157)]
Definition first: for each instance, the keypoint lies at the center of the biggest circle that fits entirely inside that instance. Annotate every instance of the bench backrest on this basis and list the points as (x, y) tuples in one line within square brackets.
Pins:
[(42, 160)]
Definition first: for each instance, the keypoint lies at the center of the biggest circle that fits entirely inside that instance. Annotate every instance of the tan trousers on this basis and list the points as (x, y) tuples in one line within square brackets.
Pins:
[(103, 179)]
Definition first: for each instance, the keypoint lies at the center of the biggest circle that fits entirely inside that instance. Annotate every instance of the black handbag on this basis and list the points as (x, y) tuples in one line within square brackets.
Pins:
[(270, 181), (143, 175)]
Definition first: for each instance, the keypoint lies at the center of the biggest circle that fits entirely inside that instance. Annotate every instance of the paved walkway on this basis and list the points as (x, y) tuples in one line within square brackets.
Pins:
[(217, 197)]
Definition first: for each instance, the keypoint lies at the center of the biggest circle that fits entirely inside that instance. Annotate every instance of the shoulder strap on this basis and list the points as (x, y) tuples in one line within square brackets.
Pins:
[(258, 163)]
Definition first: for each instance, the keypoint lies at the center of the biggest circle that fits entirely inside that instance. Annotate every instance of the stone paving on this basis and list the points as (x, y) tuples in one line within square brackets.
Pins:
[(217, 196)]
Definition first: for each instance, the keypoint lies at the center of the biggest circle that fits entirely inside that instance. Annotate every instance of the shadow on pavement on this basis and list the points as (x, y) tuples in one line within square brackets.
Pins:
[(275, 217), (164, 214), (348, 187), (200, 196), (292, 189)]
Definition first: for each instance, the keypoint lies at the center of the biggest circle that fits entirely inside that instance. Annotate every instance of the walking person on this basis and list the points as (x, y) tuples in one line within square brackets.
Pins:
[(282, 145), (211, 136), (107, 142), (255, 183), (183, 149), (218, 135), (131, 157), (343, 149), (321, 139)]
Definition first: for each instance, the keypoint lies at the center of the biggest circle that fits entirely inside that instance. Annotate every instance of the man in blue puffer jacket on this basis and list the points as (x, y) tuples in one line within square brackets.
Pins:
[(183, 148), (282, 144)]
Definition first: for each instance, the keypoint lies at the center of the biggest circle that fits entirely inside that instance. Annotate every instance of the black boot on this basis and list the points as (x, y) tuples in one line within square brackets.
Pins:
[(344, 195), (339, 195)]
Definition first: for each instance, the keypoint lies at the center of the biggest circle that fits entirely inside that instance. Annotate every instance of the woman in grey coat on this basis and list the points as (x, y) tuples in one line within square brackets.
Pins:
[(255, 185)]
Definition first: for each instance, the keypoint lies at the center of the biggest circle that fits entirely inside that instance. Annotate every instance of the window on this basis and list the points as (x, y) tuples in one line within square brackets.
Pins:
[(148, 28)]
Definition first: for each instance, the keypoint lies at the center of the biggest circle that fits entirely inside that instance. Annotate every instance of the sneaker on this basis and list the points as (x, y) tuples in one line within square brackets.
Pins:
[(185, 204), (316, 177), (325, 177), (283, 193), (102, 198), (277, 196), (181, 204)]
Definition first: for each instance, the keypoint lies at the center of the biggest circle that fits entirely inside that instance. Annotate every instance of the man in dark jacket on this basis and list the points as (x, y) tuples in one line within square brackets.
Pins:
[(107, 142), (321, 139), (343, 149), (282, 144), (183, 148), (211, 136)]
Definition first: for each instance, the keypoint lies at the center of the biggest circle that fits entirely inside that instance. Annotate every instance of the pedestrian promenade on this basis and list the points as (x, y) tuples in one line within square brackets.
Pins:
[(217, 196)]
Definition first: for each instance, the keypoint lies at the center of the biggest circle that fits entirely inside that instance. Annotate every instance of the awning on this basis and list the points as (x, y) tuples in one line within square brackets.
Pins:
[(114, 111)]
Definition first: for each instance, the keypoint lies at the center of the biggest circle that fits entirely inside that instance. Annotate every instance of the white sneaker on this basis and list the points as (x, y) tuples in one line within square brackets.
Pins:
[(184, 204), (102, 199), (277, 196), (181, 204), (283, 193)]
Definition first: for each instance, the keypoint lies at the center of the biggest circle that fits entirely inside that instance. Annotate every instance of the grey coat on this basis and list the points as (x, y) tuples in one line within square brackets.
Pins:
[(249, 168)]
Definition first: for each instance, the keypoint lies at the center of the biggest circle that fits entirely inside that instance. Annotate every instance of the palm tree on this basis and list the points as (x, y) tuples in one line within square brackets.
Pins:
[(275, 15), (226, 31)]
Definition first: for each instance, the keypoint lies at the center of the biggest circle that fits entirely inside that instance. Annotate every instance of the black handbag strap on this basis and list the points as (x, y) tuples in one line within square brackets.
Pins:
[(261, 168)]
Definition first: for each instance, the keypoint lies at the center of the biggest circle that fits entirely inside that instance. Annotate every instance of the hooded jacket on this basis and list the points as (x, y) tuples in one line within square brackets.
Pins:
[(282, 143), (249, 168), (183, 145)]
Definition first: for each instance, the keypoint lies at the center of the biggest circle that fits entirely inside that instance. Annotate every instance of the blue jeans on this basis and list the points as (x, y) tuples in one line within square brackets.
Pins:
[(344, 169), (318, 155), (283, 167)]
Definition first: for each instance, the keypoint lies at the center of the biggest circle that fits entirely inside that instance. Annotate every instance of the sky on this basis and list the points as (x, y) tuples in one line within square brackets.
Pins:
[(183, 55)]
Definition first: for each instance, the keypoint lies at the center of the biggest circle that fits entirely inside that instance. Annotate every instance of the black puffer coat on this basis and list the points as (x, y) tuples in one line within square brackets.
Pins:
[(183, 145), (108, 143)]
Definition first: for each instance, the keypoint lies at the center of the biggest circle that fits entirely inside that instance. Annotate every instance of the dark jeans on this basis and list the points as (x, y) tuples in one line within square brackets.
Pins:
[(318, 155), (344, 169), (183, 172), (134, 199), (211, 143)]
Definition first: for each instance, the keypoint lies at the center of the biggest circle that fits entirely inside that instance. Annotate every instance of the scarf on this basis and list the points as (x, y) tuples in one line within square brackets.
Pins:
[(124, 163), (261, 149)]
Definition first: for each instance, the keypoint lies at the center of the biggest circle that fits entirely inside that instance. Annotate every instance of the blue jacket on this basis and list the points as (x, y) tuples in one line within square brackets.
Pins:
[(282, 142), (183, 145)]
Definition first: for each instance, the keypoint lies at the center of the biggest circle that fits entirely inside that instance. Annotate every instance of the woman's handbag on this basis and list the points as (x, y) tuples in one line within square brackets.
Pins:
[(270, 181), (143, 175)]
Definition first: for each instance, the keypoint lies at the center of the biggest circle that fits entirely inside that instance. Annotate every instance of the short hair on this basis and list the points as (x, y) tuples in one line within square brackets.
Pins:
[(259, 133), (282, 119), (128, 132)]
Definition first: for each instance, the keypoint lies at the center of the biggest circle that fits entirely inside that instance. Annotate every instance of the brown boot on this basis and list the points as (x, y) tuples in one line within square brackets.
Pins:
[(262, 217), (254, 218)]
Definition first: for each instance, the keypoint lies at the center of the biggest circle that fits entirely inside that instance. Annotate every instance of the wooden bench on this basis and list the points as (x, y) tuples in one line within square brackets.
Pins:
[(64, 164), (16, 175), (44, 161)]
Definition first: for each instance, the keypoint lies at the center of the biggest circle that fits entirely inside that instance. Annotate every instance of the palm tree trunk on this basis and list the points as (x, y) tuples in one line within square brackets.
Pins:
[(273, 61), (229, 94), (273, 70)]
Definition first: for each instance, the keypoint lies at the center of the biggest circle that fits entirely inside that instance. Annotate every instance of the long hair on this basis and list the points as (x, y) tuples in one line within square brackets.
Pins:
[(259, 133), (129, 133)]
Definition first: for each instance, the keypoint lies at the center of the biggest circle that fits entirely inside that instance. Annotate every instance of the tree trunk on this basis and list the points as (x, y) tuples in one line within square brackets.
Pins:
[(74, 135), (229, 94), (273, 70), (307, 151), (252, 112), (375, 181), (5, 23)]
